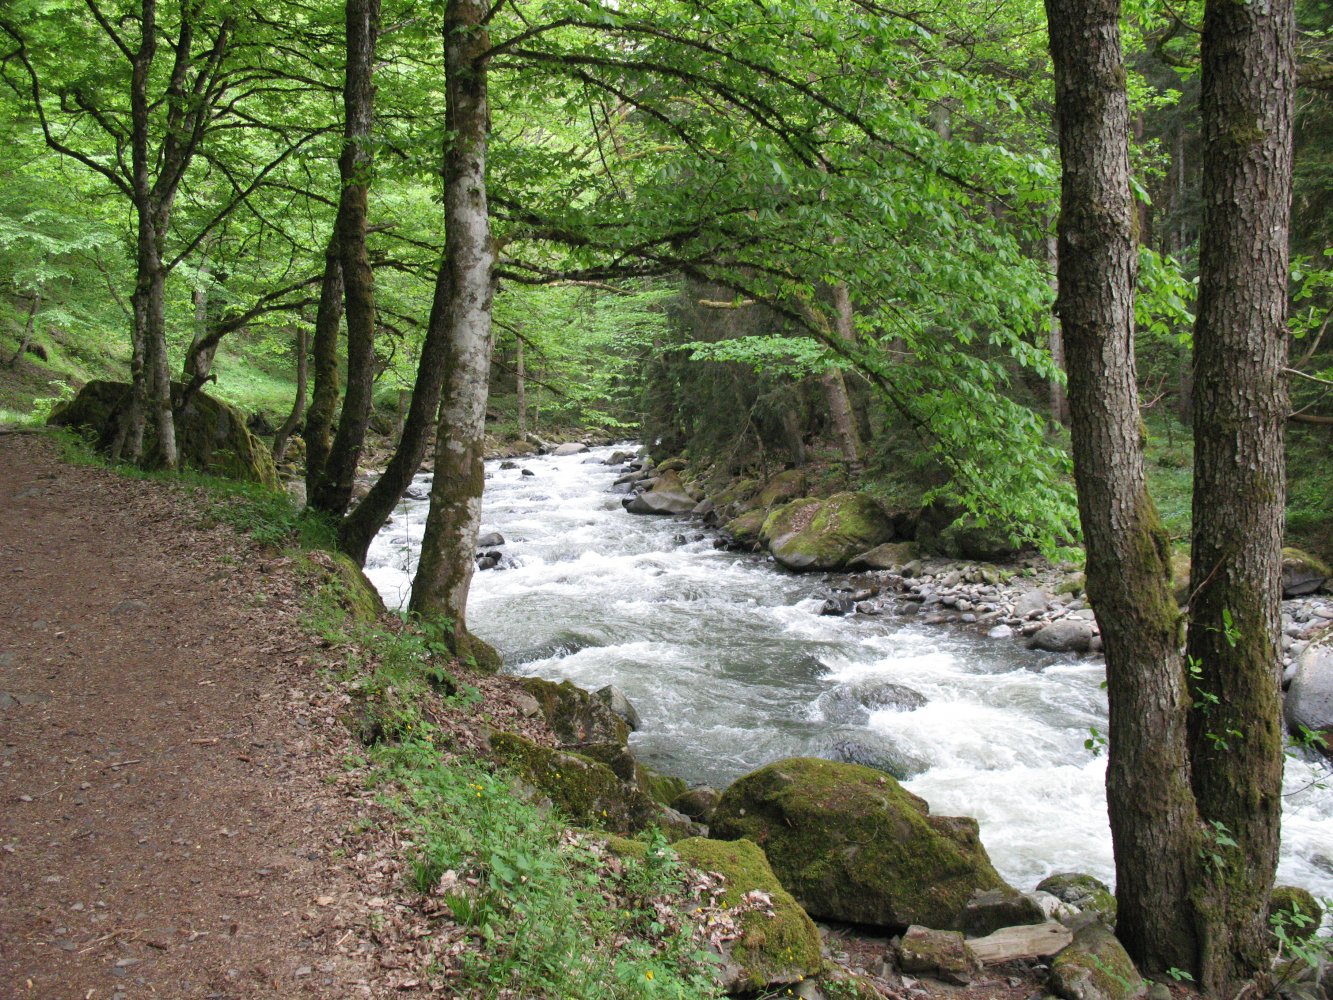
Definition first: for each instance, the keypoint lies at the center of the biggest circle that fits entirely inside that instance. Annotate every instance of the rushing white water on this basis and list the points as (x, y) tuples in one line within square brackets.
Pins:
[(730, 666)]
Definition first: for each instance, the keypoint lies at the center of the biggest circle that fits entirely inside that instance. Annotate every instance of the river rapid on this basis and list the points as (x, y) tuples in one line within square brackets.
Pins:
[(730, 666)]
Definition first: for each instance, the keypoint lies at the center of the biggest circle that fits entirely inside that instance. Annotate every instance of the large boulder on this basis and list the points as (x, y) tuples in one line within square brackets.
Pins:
[(785, 486), (583, 789), (569, 448), (1302, 573), (1068, 635), (668, 496), (1309, 701), (575, 716), (852, 845), (890, 555), (210, 435), (1095, 966), (744, 530), (777, 943), (825, 534)]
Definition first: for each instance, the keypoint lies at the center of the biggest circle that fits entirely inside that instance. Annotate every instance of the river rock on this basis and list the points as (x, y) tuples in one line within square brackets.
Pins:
[(818, 534), (618, 457), (1309, 701), (1095, 966), (210, 435), (576, 716), (1083, 892), (1298, 911), (942, 955), (778, 942), (488, 560), (569, 448), (508, 464), (490, 540), (614, 698), (1068, 635), (1031, 603), (526, 472), (674, 464), (852, 845), (890, 555), (661, 788), (851, 704), (697, 803), (744, 530), (886, 757), (417, 491), (1302, 573), (988, 911), (667, 496)]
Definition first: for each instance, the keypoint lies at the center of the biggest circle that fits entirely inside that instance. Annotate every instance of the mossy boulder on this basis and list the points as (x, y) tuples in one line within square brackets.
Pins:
[(669, 495), (818, 534), (852, 845), (661, 788), (584, 789), (778, 943), (675, 464), (1095, 967), (575, 716), (211, 435), (1297, 910), (994, 909), (944, 955), (350, 587), (744, 530), (1302, 573), (966, 538), (785, 486), (1083, 892)]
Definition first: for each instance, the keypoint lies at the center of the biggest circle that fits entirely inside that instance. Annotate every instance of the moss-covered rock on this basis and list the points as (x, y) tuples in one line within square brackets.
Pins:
[(576, 716), (352, 589), (1302, 573), (211, 435), (585, 790), (777, 944), (1297, 911), (1083, 892), (744, 530), (697, 803), (941, 954), (669, 495), (675, 464), (661, 788), (890, 555), (824, 534), (1095, 967), (852, 845), (785, 486), (989, 911), (966, 539)]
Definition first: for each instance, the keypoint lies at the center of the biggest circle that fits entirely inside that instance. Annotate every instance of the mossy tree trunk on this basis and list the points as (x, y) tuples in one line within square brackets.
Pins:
[(444, 575), (333, 490), (293, 421), (1240, 409), (324, 358), (1153, 821)]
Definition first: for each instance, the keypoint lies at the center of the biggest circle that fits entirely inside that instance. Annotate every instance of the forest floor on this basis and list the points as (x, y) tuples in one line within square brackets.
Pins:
[(176, 819)]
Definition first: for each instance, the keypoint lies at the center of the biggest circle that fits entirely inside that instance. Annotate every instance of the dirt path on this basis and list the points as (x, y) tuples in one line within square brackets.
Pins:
[(167, 823)]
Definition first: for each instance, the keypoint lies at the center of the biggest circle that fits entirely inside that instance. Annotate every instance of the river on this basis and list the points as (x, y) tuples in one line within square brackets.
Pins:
[(730, 666)]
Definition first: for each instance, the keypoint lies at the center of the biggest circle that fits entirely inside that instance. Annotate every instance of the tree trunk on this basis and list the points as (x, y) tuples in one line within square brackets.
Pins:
[(293, 421), (324, 399), (28, 327), (1153, 823), (521, 387), (333, 492), (443, 577), (1059, 399), (840, 406), (360, 526), (1240, 409)]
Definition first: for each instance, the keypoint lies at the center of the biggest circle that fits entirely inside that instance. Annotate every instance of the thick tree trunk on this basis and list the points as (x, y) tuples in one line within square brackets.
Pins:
[(441, 585), (360, 526), (293, 421), (324, 351), (1240, 410), (28, 327), (1153, 823), (333, 492), (151, 388)]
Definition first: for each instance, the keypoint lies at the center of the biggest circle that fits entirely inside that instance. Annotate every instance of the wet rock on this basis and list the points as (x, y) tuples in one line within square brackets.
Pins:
[(852, 845), (527, 472), (837, 606), (1309, 701), (619, 457), (851, 704), (890, 759), (667, 496), (508, 464), (490, 540), (1032, 603), (488, 560), (1083, 892), (569, 448), (417, 491)]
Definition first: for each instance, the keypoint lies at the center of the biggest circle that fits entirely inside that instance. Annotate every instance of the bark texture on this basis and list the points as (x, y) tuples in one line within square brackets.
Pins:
[(1240, 408), (449, 546), (333, 491), (324, 358), (284, 433), (1153, 822), (835, 388)]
